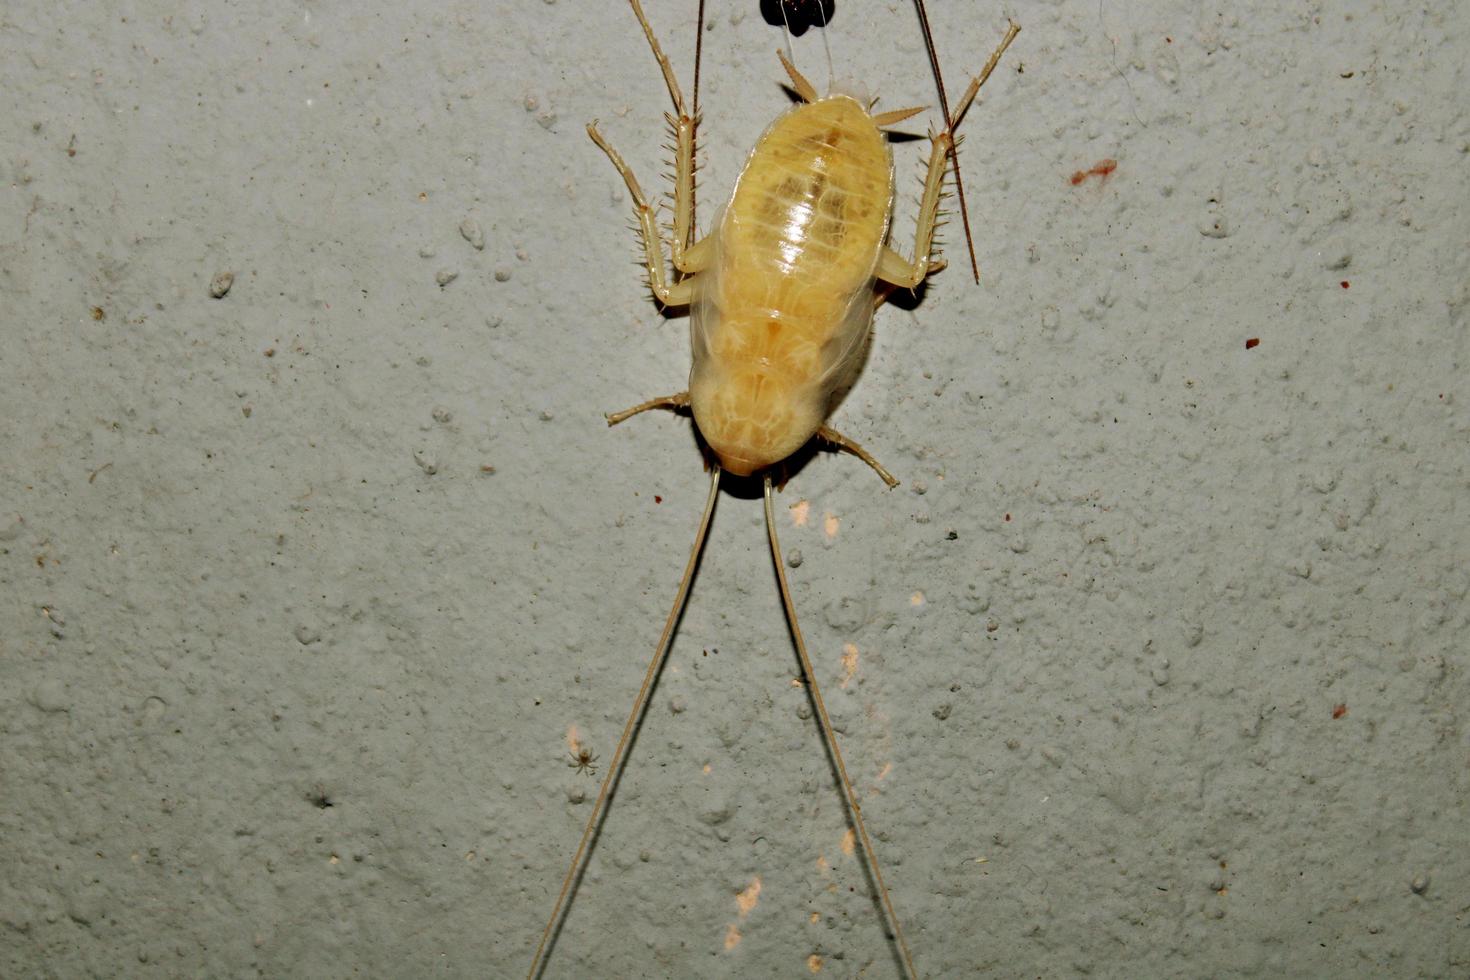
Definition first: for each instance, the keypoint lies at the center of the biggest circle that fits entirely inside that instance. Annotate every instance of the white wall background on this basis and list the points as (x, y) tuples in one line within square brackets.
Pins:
[(252, 560)]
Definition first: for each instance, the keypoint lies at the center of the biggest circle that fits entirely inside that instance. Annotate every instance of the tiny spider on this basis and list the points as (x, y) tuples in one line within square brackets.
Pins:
[(583, 760)]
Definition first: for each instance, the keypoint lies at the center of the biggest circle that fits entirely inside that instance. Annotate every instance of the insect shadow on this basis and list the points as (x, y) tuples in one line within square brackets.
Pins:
[(797, 16)]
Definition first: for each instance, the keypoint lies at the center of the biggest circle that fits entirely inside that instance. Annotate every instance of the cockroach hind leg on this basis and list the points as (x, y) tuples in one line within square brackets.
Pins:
[(837, 439), (673, 403)]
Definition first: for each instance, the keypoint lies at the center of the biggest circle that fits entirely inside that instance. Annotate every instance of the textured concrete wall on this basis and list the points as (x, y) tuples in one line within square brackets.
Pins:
[(1155, 664)]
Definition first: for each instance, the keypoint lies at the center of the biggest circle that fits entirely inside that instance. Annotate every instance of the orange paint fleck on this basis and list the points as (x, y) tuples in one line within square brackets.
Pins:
[(822, 864), (829, 526), (814, 963), (747, 899), (705, 770), (1100, 169), (574, 739), (799, 512), (883, 773), (917, 599), (849, 663), (849, 840), (1339, 711), (732, 937)]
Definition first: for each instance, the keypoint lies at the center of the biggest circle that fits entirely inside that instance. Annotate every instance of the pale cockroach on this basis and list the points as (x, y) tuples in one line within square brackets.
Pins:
[(782, 294)]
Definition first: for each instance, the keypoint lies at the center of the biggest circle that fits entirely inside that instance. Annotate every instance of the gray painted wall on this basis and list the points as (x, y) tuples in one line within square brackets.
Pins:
[(1160, 648)]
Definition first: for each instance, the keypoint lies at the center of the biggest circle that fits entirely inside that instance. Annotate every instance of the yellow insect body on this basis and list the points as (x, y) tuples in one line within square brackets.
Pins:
[(781, 315), (783, 290), (782, 296)]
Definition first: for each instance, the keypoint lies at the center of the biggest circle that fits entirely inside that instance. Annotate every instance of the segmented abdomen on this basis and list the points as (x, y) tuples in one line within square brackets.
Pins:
[(780, 317), (799, 241)]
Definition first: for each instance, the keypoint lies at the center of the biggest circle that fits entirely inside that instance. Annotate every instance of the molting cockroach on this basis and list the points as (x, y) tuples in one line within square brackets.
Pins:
[(782, 294)]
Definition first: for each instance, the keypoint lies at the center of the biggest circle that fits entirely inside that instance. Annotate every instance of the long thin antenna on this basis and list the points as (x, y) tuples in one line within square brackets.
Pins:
[(954, 150), (640, 703), (831, 72), (786, 26), (694, 136), (698, 54), (804, 11), (829, 736)]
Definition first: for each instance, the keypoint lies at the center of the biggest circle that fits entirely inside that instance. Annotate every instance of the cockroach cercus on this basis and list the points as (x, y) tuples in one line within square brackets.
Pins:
[(782, 294)]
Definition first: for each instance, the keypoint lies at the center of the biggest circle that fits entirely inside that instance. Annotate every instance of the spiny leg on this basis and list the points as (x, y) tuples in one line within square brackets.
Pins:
[(676, 294), (964, 104), (896, 269), (841, 441), (672, 402), (620, 757), (683, 125), (959, 183), (829, 736), (893, 267)]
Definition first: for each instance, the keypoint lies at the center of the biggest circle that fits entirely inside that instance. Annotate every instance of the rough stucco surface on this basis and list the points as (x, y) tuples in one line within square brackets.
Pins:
[(288, 675)]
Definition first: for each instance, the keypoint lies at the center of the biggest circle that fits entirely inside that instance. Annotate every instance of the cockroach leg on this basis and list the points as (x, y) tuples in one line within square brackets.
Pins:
[(671, 402), (894, 268), (669, 294), (828, 434)]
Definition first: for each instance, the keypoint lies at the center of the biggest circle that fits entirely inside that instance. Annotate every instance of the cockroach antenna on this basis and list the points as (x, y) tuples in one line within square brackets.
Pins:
[(796, 17), (698, 57), (954, 150)]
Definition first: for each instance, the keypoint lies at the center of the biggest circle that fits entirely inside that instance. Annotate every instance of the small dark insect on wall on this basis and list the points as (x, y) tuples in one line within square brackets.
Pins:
[(798, 15)]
